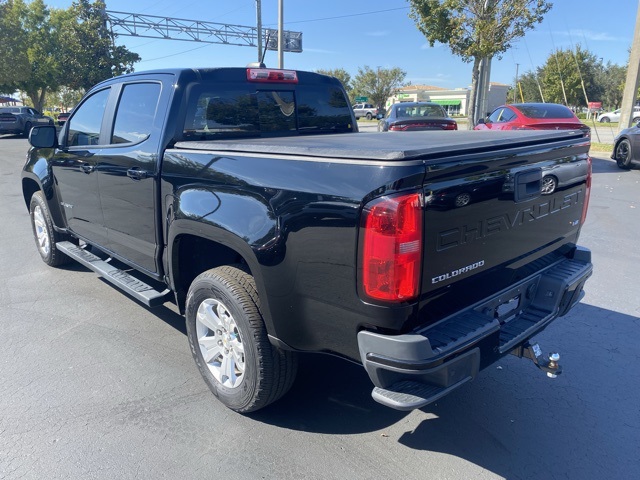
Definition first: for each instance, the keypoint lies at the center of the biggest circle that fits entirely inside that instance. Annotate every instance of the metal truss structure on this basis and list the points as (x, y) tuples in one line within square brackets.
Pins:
[(151, 26)]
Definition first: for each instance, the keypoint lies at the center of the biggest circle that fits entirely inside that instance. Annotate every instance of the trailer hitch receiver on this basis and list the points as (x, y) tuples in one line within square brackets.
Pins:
[(534, 353)]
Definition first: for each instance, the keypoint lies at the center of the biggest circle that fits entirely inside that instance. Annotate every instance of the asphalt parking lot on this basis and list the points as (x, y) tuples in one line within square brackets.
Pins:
[(95, 386)]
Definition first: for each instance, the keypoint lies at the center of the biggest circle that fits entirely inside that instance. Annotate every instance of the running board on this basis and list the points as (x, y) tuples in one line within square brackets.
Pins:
[(119, 278)]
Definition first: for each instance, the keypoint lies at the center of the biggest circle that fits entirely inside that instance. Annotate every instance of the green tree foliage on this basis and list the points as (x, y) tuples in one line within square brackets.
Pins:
[(565, 73), (27, 55), (378, 85), (88, 50), (341, 74), (612, 78), (528, 89), (42, 49), (476, 29)]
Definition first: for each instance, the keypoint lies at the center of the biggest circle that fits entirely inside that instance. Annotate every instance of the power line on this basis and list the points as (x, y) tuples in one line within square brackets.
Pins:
[(349, 15)]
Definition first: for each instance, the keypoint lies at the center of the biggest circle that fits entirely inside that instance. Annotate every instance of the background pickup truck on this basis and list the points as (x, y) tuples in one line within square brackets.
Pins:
[(365, 110), (247, 197), (19, 120)]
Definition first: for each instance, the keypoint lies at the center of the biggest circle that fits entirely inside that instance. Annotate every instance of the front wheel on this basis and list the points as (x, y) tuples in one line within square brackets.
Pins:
[(229, 343), (623, 154), (604, 120), (44, 234), (369, 116), (27, 129)]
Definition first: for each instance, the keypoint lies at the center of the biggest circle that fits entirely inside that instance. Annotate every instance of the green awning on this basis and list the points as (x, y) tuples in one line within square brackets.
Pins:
[(447, 102)]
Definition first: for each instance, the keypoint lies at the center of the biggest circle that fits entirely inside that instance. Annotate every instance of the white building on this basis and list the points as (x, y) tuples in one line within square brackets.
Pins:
[(455, 101)]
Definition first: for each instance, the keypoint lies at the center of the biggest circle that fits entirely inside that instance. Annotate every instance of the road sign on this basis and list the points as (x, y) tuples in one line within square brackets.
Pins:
[(362, 99)]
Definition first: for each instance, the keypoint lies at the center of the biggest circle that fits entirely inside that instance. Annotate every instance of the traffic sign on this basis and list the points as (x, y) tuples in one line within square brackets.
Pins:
[(362, 99)]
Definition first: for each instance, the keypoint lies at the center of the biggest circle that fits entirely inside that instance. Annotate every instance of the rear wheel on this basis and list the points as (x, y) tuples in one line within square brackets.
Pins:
[(604, 120), (369, 116), (229, 343), (623, 154), (44, 234), (462, 199), (549, 185)]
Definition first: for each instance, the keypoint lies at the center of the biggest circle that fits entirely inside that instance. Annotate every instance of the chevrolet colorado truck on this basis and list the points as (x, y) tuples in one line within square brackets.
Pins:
[(248, 197)]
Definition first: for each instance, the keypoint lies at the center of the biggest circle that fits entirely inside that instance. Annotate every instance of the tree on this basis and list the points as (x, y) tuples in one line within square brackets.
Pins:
[(476, 29), (341, 74), (27, 52), (566, 72), (42, 49), (612, 78), (89, 52), (378, 85)]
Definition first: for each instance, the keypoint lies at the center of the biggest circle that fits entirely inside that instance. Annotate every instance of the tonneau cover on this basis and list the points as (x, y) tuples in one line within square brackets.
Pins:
[(385, 146)]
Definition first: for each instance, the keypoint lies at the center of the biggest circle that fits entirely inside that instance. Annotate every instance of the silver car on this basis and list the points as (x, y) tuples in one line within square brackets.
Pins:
[(615, 115)]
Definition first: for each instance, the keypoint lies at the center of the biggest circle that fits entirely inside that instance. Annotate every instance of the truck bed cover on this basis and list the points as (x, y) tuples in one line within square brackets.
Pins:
[(386, 146)]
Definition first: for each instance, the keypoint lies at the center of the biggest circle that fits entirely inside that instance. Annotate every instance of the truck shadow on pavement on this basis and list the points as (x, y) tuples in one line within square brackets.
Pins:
[(512, 419)]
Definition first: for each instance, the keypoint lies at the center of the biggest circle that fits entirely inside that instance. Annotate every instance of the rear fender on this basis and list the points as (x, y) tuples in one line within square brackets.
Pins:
[(238, 221)]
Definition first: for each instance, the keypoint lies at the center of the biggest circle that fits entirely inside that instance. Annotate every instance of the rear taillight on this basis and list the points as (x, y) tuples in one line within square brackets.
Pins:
[(271, 75), (587, 193), (392, 248)]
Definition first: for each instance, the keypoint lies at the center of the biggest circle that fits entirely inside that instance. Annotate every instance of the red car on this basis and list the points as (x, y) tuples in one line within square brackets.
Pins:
[(532, 116)]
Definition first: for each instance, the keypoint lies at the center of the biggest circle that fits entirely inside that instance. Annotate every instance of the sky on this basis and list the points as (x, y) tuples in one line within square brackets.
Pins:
[(351, 34)]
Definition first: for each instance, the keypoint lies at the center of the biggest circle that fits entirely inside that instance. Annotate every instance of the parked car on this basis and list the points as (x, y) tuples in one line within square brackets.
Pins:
[(366, 110), (415, 116), (626, 148), (532, 116), (19, 120), (62, 117), (615, 115)]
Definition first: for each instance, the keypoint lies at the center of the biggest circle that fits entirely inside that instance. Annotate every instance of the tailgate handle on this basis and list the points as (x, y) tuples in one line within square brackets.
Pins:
[(528, 184)]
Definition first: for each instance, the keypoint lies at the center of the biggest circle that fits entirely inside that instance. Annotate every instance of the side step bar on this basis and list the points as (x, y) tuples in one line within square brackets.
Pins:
[(129, 284)]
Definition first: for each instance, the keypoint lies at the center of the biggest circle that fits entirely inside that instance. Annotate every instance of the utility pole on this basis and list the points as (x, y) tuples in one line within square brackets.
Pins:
[(259, 28), (633, 78), (280, 34), (515, 90)]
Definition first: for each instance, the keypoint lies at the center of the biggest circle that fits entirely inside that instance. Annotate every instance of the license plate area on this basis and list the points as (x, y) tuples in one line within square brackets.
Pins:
[(510, 303)]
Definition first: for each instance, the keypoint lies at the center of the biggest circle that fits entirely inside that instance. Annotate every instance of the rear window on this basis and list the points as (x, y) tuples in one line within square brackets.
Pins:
[(545, 111), (9, 110), (219, 111)]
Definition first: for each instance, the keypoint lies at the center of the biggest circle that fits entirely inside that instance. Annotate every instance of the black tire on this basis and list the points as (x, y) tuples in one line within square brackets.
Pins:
[(44, 234), (623, 154), (369, 116), (549, 184), (27, 129), (604, 120), (227, 300), (635, 120)]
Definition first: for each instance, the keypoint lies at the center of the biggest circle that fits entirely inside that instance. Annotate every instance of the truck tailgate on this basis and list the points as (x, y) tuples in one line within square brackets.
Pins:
[(486, 218)]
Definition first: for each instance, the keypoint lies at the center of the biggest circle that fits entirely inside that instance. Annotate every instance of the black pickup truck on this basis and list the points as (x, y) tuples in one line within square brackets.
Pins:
[(248, 197)]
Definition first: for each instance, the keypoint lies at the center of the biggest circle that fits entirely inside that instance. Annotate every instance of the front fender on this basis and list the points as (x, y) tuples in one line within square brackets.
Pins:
[(37, 175)]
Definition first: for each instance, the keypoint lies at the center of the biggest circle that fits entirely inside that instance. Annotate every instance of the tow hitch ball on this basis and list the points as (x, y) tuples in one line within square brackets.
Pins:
[(534, 353)]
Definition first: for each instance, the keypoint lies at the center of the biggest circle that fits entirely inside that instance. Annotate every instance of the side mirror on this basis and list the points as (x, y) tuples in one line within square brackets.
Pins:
[(44, 136), (481, 121)]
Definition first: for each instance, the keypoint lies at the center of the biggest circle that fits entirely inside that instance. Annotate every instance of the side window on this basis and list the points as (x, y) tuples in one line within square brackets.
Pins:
[(495, 116), (135, 113), (84, 126), (508, 115)]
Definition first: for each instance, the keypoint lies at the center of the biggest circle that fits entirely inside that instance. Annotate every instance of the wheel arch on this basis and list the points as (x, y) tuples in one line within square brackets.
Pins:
[(194, 248)]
